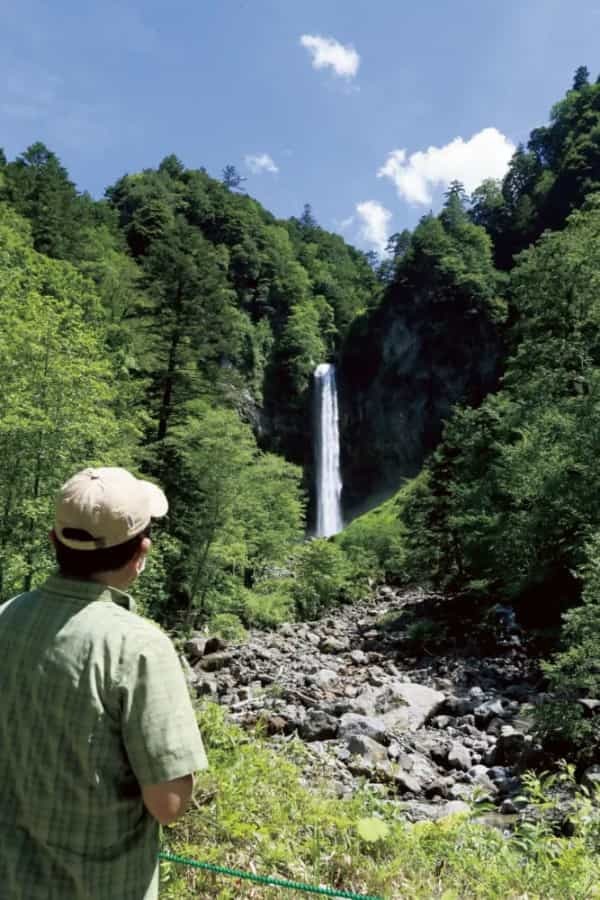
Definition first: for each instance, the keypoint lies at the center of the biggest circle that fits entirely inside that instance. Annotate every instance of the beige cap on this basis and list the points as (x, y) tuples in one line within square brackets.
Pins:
[(110, 504)]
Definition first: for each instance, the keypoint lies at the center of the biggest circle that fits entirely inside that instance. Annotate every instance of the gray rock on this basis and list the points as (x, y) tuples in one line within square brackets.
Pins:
[(419, 812), (334, 645), (458, 706), (206, 687), (318, 726), (368, 726), (489, 710), (364, 704), (459, 757), (215, 662), (324, 678), (195, 648), (214, 644), (441, 721), (359, 658), (417, 703), (460, 792), (407, 783), (510, 746), (367, 748)]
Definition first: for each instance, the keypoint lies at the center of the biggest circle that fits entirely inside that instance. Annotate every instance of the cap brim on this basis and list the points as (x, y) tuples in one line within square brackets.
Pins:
[(159, 505)]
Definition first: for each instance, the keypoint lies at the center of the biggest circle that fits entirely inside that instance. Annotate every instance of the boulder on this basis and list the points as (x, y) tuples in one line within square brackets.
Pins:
[(510, 747), (195, 648), (367, 748), (206, 687), (459, 757), (318, 726), (416, 704), (215, 662), (368, 726), (214, 644), (407, 783), (324, 678), (334, 645), (491, 709)]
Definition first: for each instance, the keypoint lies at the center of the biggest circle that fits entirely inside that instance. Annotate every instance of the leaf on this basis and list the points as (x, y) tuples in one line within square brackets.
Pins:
[(372, 830)]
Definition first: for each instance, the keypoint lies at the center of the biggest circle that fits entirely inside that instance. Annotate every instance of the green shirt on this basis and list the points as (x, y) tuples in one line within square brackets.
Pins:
[(93, 704)]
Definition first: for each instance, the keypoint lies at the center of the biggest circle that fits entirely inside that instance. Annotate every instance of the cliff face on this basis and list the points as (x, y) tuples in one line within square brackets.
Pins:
[(402, 369)]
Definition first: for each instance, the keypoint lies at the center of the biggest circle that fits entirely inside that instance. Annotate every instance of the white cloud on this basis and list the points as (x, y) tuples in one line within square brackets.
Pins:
[(485, 155), (261, 163), (375, 220), (344, 60)]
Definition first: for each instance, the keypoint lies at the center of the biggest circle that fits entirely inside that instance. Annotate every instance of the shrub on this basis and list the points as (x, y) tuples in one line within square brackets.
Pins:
[(574, 672)]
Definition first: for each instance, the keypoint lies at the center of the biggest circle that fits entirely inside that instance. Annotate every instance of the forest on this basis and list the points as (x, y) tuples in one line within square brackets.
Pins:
[(173, 327)]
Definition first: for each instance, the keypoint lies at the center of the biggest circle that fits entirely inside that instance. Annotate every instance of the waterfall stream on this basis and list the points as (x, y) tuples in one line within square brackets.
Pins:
[(327, 452)]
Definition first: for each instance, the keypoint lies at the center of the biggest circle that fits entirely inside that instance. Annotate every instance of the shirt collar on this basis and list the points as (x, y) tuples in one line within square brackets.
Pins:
[(86, 591)]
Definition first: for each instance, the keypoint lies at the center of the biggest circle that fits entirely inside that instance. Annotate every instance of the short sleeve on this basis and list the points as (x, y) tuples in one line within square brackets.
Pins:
[(160, 732)]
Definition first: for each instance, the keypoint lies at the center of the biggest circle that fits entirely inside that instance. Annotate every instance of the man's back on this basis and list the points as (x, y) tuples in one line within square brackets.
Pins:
[(93, 705)]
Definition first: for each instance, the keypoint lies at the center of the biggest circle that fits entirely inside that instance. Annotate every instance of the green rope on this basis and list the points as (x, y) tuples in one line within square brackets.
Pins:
[(264, 879)]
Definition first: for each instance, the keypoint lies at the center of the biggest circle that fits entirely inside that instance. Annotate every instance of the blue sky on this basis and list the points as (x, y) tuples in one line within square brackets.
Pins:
[(113, 87)]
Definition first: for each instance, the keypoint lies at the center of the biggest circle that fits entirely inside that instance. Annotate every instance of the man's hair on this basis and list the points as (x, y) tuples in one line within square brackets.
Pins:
[(85, 563)]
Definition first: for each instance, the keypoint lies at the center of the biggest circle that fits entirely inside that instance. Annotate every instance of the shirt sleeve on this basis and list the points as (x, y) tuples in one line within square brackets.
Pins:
[(160, 732)]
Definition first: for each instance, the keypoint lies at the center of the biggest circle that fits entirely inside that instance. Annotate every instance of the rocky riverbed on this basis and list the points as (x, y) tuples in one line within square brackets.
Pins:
[(433, 730)]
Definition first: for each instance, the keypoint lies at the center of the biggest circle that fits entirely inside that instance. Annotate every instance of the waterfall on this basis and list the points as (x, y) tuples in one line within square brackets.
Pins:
[(327, 452)]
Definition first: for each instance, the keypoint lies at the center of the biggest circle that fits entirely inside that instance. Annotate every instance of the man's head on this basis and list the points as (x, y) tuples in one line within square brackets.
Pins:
[(102, 525)]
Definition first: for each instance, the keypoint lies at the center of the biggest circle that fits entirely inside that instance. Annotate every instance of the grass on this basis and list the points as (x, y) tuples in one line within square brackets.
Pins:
[(252, 811)]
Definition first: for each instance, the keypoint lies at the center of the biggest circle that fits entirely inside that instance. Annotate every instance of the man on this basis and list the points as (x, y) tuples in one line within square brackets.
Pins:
[(98, 738)]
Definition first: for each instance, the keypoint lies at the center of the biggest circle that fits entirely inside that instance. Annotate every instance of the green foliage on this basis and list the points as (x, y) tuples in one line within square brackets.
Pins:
[(228, 626), (57, 391), (270, 602), (574, 672), (512, 492), (223, 517), (549, 178), (375, 543), (324, 578), (252, 811)]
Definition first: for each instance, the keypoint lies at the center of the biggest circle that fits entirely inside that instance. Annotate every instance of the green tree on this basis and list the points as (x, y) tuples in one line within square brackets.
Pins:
[(232, 178), (223, 516), (58, 389)]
